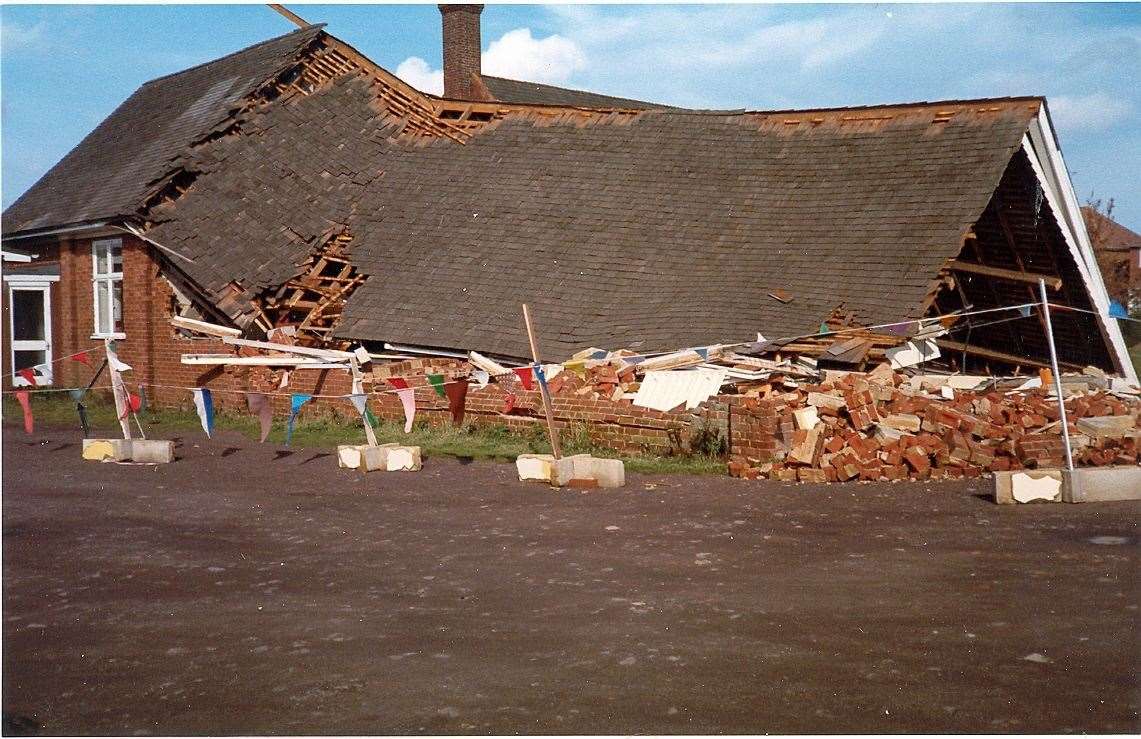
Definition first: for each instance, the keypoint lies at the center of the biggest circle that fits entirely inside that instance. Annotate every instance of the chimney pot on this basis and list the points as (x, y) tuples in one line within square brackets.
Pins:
[(461, 50)]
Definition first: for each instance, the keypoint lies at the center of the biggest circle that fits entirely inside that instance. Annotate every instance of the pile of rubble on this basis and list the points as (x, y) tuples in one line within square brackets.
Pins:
[(886, 426)]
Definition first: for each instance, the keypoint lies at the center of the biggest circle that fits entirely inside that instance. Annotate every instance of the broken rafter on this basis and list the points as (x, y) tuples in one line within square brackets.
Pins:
[(958, 265)]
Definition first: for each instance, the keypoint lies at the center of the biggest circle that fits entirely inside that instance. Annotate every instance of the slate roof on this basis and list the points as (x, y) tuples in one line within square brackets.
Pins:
[(515, 91), (656, 230), (1112, 235), (109, 173)]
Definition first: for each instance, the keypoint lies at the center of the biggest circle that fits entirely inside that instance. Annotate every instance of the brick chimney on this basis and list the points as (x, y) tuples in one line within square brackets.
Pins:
[(461, 50)]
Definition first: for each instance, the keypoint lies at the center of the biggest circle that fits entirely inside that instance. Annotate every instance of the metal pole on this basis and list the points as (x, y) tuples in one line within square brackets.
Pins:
[(1057, 375), (555, 450)]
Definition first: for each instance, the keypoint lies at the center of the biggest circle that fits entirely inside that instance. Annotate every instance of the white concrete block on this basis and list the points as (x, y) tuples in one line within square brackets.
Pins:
[(610, 473), (98, 450), (348, 456), (1103, 484), (403, 459), (152, 451), (1030, 486), (534, 467)]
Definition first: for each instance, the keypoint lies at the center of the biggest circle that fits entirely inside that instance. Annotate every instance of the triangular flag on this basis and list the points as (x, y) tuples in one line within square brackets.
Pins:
[(359, 401), (298, 400), (77, 393), (408, 400), (284, 380), (482, 377), (703, 352), (82, 358), (398, 382), (261, 406), (114, 361), (823, 328), (541, 377), (370, 419), (1116, 309), (28, 374), (1025, 311), (457, 400), (577, 366), (948, 321), (508, 403), (437, 384), (204, 404), (525, 377), (26, 403), (134, 404)]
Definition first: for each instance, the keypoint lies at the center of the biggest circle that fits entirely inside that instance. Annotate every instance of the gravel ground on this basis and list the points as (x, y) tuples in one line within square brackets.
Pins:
[(251, 589)]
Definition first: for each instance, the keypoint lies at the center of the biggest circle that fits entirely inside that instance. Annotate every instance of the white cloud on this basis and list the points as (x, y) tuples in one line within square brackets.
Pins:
[(1096, 111), (518, 55), (418, 73), (18, 37)]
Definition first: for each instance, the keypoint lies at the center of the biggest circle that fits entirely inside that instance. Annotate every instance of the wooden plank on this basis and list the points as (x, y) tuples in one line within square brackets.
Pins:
[(203, 327), (997, 355), (957, 265), (231, 360), (302, 350)]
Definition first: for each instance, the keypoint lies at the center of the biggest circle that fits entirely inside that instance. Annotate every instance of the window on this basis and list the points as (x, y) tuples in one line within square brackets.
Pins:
[(107, 280), (29, 326)]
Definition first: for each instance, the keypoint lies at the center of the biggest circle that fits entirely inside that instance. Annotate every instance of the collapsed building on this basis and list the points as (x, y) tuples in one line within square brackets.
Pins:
[(297, 185)]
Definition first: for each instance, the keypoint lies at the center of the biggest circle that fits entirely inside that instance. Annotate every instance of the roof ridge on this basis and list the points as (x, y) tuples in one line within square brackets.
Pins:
[(251, 47), (840, 108)]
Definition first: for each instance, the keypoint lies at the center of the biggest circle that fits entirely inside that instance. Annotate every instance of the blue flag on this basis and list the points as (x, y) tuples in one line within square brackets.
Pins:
[(538, 370), (204, 403), (299, 399)]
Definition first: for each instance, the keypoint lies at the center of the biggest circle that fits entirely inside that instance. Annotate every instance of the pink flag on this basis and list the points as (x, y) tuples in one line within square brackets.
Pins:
[(25, 403), (262, 407), (408, 400)]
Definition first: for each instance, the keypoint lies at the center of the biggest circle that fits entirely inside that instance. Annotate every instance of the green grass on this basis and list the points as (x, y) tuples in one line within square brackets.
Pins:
[(493, 442)]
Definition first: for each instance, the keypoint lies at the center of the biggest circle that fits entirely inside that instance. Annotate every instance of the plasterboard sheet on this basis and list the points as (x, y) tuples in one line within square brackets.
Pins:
[(666, 390)]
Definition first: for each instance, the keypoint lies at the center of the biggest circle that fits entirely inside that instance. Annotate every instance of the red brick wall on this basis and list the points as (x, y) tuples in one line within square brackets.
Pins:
[(461, 49)]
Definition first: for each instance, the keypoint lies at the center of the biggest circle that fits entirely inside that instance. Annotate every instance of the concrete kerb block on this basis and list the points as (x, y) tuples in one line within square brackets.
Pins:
[(1027, 486), (389, 457), (607, 473), (1102, 484), (403, 459), (143, 451)]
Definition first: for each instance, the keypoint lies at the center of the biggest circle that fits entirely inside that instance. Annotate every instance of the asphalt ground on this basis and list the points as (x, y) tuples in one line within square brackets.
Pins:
[(251, 589)]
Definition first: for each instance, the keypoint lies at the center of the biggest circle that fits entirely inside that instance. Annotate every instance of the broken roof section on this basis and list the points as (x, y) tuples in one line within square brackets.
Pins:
[(110, 172)]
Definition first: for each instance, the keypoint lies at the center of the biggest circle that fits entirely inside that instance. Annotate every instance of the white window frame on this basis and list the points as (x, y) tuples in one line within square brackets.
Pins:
[(30, 283), (105, 281)]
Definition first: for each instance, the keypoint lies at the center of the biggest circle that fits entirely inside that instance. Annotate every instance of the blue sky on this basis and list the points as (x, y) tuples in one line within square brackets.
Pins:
[(64, 68)]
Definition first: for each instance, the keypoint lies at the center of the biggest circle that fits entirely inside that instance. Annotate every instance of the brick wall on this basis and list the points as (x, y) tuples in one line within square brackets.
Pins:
[(461, 49)]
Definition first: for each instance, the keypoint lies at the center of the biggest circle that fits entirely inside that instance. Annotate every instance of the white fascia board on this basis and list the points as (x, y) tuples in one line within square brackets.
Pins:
[(1050, 169), (19, 279), (10, 256)]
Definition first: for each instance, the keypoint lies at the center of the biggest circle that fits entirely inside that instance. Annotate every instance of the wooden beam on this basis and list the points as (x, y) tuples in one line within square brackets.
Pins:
[(957, 265), (997, 355), (203, 327), (306, 351), (293, 17)]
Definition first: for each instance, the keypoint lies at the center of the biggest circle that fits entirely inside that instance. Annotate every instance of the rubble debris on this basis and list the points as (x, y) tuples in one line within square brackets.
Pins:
[(893, 430)]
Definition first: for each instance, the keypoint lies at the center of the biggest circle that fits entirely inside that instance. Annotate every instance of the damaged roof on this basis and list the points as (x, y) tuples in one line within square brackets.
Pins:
[(534, 93), (650, 230), (111, 171)]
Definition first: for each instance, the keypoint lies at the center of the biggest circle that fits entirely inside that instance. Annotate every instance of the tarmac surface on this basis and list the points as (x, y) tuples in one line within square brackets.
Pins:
[(251, 589)]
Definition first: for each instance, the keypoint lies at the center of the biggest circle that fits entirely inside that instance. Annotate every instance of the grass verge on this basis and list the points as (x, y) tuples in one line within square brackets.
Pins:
[(494, 442)]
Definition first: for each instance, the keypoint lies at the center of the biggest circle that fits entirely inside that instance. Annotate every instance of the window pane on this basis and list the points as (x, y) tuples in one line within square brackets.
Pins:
[(28, 315), (116, 253), (117, 301), (30, 358), (102, 309)]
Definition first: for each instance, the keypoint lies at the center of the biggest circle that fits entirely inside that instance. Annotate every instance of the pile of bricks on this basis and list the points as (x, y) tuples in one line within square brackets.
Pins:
[(876, 427)]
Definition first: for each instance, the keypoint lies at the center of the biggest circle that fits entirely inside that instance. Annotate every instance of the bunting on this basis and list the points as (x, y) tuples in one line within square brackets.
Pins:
[(298, 400), (703, 352), (135, 404), (482, 377), (408, 400), (1024, 311), (537, 369), (284, 380), (360, 402), (142, 397), (77, 393), (398, 382), (525, 377), (28, 374), (113, 359), (261, 406), (577, 366), (437, 384), (81, 357), (204, 404), (457, 400), (26, 403)]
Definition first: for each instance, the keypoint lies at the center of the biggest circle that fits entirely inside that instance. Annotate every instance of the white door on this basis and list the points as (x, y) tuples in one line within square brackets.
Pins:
[(31, 330)]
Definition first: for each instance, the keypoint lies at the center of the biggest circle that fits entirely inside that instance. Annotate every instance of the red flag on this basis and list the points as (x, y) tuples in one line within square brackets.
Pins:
[(525, 377), (398, 382), (457, 400), (28, 374), (508, 403), (82, 358), (134, 403), (25, 403)]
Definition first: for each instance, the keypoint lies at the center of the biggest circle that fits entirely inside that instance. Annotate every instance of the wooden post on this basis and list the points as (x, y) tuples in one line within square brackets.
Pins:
[(554, 434), (122, 402), (358, 389), (1057, 375)]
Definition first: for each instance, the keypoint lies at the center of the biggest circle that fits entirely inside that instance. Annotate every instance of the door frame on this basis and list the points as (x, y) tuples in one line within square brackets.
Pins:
[(30, 283)]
